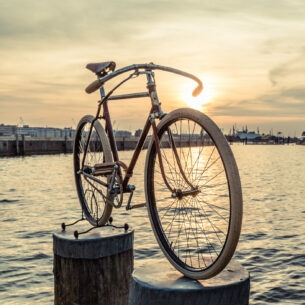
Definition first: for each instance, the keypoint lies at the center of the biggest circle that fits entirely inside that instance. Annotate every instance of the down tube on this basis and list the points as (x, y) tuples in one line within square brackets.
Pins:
[(136, 153)]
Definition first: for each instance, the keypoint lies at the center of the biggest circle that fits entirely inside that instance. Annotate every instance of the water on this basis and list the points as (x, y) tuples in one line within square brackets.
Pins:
[(37, 194)]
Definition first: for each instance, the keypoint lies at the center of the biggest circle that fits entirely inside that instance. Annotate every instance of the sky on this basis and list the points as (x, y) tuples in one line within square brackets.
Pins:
[(250, 56)]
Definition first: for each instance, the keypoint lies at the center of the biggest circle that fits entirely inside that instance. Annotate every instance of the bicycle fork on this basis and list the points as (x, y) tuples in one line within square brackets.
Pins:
[(176, 193), (157, 112)]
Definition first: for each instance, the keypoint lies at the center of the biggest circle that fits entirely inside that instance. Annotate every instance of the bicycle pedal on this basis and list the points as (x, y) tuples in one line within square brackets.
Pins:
[(136, 206), (104, 168)]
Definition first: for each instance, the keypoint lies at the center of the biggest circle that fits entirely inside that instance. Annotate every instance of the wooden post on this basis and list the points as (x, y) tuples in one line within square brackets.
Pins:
[(156, 282), (23, 145), (17, 143), (66, 144), (94, 269)]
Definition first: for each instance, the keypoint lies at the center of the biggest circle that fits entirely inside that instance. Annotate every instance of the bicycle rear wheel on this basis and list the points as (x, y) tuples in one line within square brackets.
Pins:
[(195, 205), (93, 195)]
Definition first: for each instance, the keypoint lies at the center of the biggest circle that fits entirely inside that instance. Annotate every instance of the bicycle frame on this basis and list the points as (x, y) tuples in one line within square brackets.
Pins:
[(154, 113)]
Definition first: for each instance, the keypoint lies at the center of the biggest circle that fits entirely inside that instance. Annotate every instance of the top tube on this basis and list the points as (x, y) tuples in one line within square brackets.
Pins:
[(96, 84)]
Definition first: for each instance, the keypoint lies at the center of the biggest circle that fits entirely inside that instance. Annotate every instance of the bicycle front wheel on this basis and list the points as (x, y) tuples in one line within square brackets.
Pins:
[(90, 149), (194, 194)]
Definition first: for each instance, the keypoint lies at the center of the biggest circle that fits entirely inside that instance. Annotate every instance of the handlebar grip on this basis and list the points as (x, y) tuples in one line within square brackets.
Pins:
[(93, 86), (197, 90)]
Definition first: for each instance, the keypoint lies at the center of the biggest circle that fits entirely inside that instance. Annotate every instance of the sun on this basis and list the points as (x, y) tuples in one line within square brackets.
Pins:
[(199, 102)]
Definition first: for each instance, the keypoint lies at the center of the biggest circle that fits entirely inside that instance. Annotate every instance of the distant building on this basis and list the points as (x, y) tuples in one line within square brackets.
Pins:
[(249, 136), (138, 133), (38, 132), (122, 134), (7, 130)]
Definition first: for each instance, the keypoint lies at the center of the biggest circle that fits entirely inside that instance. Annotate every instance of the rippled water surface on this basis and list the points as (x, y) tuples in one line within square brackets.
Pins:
[(37, 194)]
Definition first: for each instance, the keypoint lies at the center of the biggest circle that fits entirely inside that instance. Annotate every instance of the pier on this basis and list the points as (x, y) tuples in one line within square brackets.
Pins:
[(21, 145), (27, 146)]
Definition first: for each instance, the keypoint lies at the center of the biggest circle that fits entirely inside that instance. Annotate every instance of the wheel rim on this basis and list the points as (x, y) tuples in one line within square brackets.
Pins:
[(192, 229), (92, 195)]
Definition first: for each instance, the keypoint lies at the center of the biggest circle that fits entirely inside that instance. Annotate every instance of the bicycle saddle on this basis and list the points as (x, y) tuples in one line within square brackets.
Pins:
[(101, 67)]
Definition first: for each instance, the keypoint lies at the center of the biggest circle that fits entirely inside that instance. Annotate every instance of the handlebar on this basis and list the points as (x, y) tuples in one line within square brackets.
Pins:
[(102, 80), (93, 86)]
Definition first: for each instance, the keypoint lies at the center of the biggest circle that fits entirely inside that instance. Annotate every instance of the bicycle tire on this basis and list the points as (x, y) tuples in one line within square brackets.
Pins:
[(197, 222), (93, 197)]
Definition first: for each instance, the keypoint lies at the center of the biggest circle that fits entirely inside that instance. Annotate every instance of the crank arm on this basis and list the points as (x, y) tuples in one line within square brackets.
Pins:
[(81, 172), (131, 188), (135, 206)]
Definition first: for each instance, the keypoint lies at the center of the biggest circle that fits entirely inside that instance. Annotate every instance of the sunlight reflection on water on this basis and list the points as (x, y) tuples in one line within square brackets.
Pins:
[(37, 194)]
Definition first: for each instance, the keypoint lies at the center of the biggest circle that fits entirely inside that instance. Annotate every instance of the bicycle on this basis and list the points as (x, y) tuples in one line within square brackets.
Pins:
[(192, 185)]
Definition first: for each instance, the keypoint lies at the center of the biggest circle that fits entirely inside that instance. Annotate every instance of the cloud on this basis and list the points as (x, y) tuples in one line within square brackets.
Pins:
[(47, 20), (253, 49), (283, 100), (35, 21), (289, 73), (275, 105), (297, 94)]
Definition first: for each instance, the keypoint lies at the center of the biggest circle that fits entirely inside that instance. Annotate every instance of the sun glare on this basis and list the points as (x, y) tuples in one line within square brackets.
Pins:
[(199, 102)]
